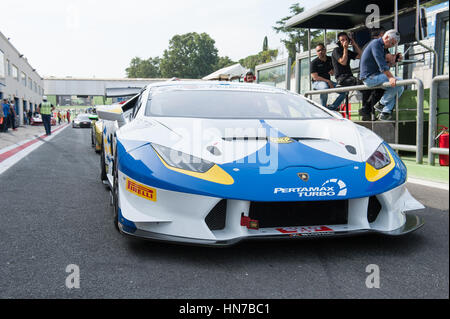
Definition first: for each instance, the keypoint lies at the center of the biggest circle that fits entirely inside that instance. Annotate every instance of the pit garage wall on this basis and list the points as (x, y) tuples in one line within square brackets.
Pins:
[(69, 91), (14, 89)]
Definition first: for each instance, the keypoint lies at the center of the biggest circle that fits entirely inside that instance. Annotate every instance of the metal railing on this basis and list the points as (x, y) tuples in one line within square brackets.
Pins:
[(418, 148), (433, 120)]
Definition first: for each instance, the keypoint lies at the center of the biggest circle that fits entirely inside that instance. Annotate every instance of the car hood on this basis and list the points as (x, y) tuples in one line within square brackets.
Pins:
[(317, 143)]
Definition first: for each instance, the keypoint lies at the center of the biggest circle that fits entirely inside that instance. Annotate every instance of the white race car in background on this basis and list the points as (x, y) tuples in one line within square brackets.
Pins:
[(213, 163), (82, 121), (37, 120)]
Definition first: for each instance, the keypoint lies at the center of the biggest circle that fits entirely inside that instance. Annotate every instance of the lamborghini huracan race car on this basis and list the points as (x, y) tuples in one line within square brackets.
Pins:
[(82, 121), (96, 132), (96, 135), (213, 163)]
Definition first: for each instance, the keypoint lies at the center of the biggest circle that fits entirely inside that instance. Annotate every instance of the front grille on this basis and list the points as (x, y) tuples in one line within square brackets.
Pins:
[(85, 125), (284, 214), (217, 216), (373, 209)]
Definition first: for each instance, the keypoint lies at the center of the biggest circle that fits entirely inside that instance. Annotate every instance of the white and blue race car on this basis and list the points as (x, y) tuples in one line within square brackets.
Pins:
[(214, 163)]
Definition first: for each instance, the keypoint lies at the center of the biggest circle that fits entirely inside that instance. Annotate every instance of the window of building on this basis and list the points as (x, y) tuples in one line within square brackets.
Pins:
[(2, 64), (23, 78), (30, 83), (15, 72), (35, 87), (8, 67)]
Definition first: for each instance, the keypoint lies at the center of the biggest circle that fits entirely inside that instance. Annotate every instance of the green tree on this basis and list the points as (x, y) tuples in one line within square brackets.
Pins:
[(433, 3), (140, 68), (252, 61), (296, 39), (190, 55), (223, 62), (265, 44), (331, 37)]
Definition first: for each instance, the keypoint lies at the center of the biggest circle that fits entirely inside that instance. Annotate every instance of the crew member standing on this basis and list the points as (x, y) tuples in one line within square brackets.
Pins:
[(12, 115), (1, 118), (5, 107), (46, 109)]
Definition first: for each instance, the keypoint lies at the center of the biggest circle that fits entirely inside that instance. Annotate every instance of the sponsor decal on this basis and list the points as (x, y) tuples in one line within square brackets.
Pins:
[(141, 190), (331, 188), (281, 140), (306, 231)]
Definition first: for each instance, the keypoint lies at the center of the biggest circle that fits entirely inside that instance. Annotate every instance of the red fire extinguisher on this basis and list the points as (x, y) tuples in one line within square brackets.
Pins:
[(443, 143)]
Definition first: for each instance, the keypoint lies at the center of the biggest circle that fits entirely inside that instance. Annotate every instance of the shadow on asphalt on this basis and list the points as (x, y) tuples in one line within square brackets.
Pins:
[(361, 246)]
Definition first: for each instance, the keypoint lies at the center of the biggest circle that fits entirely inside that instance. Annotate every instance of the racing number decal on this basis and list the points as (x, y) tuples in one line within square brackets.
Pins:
[(141, 190)]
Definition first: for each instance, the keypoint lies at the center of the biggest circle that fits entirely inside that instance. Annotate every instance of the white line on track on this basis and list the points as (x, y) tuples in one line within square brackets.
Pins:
[(10, 161), (426, 183)]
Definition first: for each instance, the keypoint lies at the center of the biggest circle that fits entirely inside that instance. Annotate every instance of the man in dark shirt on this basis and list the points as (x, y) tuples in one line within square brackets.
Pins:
[(12, 115), (321, 69), (341, 58)]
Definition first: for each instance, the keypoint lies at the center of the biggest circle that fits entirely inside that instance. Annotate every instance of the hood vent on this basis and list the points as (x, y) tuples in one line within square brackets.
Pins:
[(214, 150), (245, 138), (351, 149)]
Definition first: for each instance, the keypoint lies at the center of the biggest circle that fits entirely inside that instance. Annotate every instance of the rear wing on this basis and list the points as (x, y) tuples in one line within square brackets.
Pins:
[(111, 113)]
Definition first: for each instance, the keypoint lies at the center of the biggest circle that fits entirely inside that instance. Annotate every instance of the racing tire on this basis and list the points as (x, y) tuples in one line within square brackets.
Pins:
[(103, 176), (115, 193), (92, 138)]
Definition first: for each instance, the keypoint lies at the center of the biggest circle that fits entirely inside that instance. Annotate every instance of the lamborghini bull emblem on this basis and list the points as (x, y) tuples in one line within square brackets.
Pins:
[(303, 176)]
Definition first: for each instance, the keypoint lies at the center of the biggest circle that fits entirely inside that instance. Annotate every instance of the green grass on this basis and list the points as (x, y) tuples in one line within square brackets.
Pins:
[(424, 171)]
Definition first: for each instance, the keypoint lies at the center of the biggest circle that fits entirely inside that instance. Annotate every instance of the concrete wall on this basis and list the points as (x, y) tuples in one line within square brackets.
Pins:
[(14, 89), (90, 87)]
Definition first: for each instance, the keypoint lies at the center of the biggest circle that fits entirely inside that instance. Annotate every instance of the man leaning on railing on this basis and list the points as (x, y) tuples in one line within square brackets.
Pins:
[(374, 71)]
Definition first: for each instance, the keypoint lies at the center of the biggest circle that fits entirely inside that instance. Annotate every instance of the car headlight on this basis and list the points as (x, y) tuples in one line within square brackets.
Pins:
[(379, 164), (182, 160), (380, 158)]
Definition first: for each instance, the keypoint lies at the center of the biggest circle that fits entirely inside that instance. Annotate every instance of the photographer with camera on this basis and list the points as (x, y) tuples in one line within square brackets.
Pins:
[(341, 58)]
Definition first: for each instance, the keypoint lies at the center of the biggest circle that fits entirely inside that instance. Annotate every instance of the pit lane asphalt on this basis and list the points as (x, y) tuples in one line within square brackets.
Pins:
[(56, 212)]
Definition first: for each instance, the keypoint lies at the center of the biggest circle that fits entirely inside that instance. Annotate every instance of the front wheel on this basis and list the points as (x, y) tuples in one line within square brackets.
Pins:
[(103, 176), (92, 138)]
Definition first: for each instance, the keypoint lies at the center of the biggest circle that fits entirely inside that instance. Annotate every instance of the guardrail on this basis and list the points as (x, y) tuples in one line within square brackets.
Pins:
[(418, 148), (432, 150)]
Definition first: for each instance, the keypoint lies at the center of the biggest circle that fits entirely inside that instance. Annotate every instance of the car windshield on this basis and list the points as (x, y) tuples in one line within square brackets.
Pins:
[(232, 104), (83, 117)]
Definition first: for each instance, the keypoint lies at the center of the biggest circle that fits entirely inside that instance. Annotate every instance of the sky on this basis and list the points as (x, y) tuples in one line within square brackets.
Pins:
[(98, 38)]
